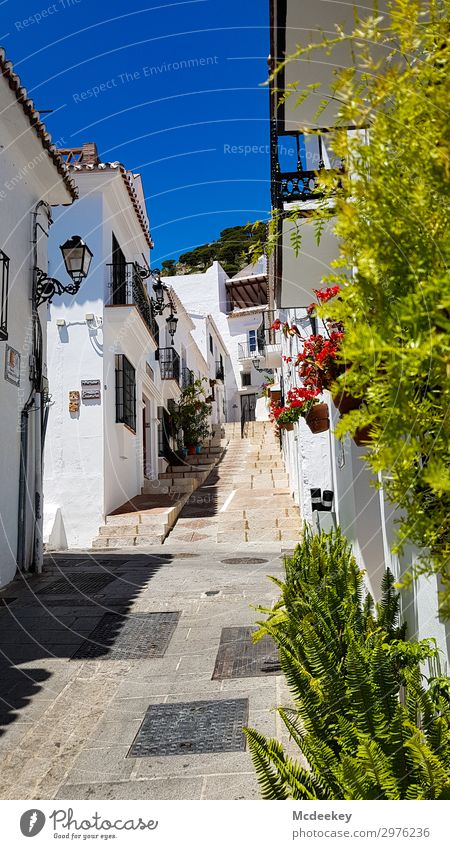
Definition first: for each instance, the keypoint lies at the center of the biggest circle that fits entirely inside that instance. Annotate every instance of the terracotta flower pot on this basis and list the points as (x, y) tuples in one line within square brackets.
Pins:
[(286, 425), (345, 403), (362, 436), (191, 449), (317, 419)]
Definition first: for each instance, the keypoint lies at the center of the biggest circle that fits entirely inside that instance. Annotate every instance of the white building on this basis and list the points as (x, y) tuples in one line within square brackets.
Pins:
[(113, 369), (319, 461), (237, 308), (33, 178)]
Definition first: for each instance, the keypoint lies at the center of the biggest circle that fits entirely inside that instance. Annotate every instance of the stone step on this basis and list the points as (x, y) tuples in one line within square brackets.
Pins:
[(165, 476), (143, 529), (200, 467), (128, 541)]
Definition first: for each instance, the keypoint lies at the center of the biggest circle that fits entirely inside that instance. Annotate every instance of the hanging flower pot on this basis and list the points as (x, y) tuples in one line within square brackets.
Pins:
[(191, 449), (345, 403), (317, 419), (286, 425), (198, 449), (362, 436)]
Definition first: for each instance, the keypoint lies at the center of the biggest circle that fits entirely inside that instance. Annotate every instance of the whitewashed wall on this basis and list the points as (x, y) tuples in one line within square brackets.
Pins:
[(27, 175)]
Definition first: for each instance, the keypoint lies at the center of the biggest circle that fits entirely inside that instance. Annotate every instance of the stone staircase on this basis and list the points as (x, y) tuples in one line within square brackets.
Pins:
[(147, 518), (261, 508), (246, 499)]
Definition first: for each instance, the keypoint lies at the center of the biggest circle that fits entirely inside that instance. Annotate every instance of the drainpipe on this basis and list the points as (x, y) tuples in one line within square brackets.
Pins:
[(35, 400), (23, 483), (39, 435)]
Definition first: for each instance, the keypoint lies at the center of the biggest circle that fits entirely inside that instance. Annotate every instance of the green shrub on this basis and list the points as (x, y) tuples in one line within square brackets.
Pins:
[(365, 719)]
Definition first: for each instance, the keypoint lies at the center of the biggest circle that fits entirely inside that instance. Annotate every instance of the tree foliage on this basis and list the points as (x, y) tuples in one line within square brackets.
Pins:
[(392, 206), (366, 722), (233, 249)]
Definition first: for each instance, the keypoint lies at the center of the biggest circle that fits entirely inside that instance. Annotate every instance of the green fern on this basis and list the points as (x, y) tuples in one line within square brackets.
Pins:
[(367, 723)]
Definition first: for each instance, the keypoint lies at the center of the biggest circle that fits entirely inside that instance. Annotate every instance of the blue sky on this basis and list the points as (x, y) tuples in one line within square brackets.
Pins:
[(171, 89)]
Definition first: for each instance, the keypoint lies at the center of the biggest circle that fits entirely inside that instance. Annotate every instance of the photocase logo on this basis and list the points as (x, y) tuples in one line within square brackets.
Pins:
[(32, 822)]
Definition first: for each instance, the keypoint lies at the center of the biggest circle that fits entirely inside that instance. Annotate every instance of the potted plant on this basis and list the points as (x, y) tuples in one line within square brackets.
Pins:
[(302, 402), (192, 415)]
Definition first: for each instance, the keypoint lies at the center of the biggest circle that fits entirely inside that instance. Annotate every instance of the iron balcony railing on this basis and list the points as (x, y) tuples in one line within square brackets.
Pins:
[(187, 377), (220, 372), (310, 154), (265, 336), (169, 363), (128, 288)]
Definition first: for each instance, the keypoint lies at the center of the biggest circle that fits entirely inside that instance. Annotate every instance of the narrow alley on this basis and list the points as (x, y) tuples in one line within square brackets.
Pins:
[(99, 649)]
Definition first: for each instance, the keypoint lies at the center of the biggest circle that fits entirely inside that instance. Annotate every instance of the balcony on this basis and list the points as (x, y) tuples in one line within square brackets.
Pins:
[(127, 288), (220, 372), (169, 363), (264, 351), (311, 154), (187, 377)]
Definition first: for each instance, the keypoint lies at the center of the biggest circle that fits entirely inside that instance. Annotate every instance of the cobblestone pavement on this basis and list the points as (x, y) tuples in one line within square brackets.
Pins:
[(74, 703)]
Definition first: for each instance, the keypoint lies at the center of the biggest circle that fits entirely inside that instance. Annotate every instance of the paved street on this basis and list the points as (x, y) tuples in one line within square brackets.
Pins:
[(71, 710)]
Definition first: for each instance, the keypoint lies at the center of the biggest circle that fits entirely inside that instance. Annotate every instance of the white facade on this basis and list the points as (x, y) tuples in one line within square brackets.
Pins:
[(319, 460), (233, 331), (30, 173), (98, 455)]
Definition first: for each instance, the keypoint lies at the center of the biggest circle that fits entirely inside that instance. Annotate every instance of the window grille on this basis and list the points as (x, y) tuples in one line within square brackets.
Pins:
[(4, 284), (125, 392)]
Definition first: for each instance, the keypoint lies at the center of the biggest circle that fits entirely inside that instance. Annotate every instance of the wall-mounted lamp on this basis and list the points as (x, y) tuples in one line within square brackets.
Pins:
[(89, 316), (172, 322), (77, 260), (60, 322)]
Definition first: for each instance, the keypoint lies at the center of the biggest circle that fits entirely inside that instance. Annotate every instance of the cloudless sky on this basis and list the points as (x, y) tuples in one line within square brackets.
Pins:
[(177, 127)]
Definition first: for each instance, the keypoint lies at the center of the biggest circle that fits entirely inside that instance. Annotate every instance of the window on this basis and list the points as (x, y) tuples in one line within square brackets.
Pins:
[(4, 283), (119, 274), (252, 341), (211, 344), (246, 378), (125, 392)]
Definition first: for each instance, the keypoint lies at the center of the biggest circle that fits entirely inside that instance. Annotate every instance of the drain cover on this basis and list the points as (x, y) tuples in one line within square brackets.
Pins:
[(132, 637), (81, 582), (251, 561), (192, 728), (239, 657)]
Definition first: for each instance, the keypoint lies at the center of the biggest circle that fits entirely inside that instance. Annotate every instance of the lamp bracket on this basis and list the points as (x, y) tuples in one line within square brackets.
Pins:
[(45, 288)]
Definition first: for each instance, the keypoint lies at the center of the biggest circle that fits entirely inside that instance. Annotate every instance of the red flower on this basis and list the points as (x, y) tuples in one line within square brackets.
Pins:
[(325, 294), (276, 324)]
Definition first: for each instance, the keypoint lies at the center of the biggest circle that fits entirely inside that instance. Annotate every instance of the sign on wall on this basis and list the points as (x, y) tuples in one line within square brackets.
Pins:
[(90, 390), (12, 365)]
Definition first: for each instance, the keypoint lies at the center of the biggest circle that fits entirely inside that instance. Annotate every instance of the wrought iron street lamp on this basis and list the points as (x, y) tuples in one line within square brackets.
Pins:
[(77, 260), (172, 322)]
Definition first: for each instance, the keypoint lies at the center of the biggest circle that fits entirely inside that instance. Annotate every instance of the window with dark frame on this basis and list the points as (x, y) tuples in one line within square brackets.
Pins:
[(125, 392), (211, 344), (119, 274), (246, 378), (4, 284)]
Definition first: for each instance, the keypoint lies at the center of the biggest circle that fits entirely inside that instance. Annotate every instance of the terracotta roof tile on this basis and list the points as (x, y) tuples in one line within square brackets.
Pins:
[(39, 127)]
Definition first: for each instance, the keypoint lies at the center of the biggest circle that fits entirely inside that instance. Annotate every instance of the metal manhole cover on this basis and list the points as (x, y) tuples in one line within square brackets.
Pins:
[(239, 657), (251, 561), (132, 637), (80, 582), (188, 728)]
